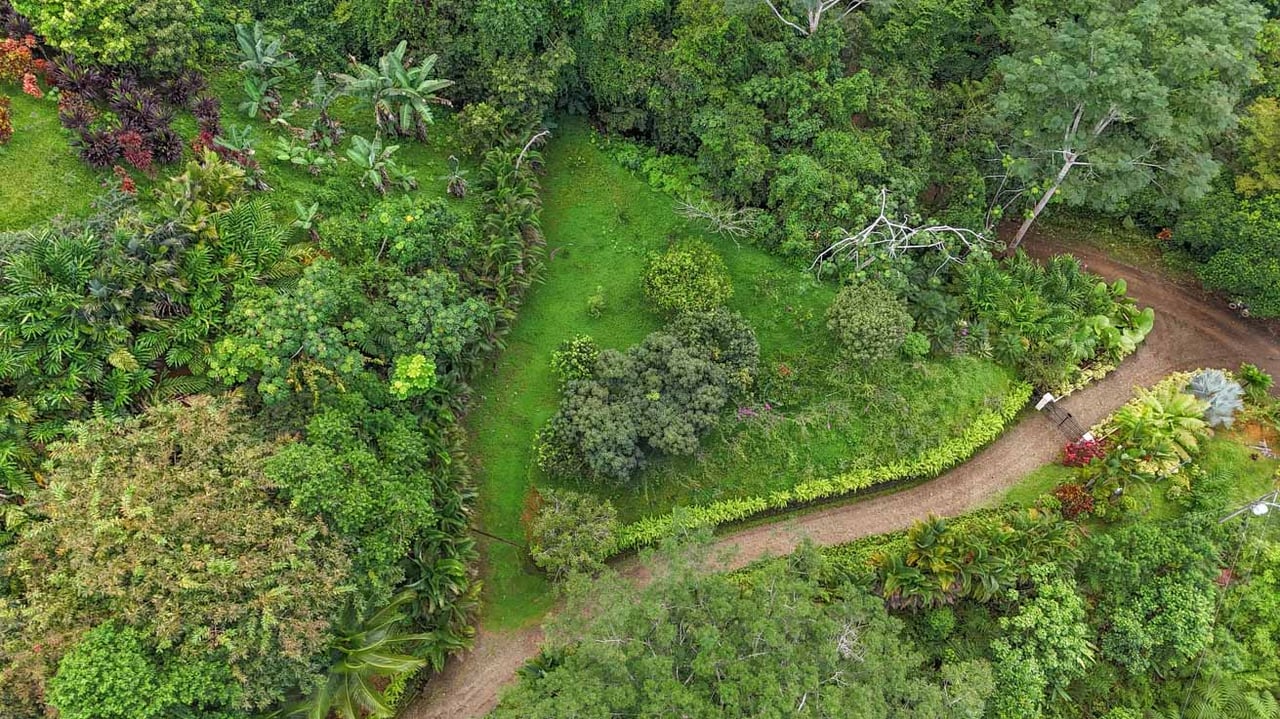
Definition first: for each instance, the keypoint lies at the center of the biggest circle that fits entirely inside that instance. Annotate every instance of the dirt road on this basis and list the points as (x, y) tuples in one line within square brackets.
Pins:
[(1192, 330)]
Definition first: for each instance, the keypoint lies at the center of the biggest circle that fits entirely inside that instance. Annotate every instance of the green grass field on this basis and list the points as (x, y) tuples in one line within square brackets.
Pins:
[(601, 222), (42, 175)]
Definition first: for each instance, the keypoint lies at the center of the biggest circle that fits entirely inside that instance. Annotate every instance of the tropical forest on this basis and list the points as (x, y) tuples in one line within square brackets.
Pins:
[(660, 359)]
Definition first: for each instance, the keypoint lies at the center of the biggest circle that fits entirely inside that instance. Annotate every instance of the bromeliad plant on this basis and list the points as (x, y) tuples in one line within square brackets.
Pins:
[(401, 95)]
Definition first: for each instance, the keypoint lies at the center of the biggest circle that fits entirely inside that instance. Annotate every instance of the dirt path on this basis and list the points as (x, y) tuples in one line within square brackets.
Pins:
[(1192, 330)]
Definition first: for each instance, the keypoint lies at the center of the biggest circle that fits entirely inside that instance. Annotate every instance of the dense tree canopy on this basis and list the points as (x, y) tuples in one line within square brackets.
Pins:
[(1105, 99), (707, 646), (166, 524)]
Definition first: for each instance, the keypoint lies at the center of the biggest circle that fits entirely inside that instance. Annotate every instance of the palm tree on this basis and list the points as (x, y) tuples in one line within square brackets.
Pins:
[(365, 650), (401, 97)]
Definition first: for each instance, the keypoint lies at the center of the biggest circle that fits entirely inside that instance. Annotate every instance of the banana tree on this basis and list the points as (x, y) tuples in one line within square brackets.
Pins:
[(260, 55), (401, 96)]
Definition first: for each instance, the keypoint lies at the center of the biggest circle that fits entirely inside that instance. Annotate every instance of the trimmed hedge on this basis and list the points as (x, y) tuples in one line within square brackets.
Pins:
[(989, 425)]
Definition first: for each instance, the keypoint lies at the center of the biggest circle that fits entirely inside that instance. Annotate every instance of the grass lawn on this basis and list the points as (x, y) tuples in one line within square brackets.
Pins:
[(600, 223), (42, 176)]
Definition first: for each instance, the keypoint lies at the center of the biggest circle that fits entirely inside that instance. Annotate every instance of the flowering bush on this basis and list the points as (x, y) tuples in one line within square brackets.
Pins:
[(1082, 452), (1074, 499)]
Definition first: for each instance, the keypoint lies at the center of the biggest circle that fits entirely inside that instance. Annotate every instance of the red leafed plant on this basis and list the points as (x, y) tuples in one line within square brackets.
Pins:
[(1082, 452), (135, 150), (127, 185), (30, 86), (15, 58), (1074, 498), (6, 124)]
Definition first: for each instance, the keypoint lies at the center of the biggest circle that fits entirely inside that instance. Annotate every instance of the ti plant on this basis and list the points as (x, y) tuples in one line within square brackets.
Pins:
[(377, 164), (401, 96)]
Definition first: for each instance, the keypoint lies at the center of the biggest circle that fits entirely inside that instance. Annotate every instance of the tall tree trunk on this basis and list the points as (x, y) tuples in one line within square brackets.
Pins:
[(1070, 162)]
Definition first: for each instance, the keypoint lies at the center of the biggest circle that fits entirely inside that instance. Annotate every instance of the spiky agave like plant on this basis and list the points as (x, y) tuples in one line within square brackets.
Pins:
[(1223, 394)]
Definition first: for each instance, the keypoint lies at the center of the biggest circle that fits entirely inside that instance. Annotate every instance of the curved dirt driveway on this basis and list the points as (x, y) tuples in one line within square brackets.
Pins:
[(1192, 330)]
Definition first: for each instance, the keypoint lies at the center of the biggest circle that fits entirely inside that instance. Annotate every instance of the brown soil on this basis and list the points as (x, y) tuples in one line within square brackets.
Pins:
[(1193, 329)]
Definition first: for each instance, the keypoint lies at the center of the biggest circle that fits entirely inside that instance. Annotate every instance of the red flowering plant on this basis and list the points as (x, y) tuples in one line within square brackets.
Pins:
[(1083, 451)]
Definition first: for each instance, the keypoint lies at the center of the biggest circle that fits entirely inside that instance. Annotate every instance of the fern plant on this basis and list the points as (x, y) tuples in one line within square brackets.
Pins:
[(112, 313), (1223, 395)]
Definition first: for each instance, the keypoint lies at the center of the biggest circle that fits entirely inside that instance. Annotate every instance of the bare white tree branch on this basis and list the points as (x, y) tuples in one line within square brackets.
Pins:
[(884, 235), (814, 11), (736, 223)]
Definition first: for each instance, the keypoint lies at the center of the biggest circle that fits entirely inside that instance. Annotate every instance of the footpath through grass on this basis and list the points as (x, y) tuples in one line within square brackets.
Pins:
[(812, 417)]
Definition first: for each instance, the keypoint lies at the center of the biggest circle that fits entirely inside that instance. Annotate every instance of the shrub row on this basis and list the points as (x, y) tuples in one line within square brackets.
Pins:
[(981, 431)]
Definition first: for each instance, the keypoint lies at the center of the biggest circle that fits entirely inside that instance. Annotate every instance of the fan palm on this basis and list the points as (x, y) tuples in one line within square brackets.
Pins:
[(401, 96)]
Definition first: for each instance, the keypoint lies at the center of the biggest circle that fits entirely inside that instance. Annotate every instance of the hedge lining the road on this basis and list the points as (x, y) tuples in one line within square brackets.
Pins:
[(983, 430)]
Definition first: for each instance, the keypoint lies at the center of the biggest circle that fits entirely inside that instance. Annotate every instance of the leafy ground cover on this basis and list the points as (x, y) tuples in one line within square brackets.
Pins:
[(42, 176), (811, 419)]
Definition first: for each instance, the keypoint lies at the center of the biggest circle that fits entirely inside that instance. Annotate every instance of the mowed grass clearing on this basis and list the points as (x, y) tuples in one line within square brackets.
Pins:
[(822, 416), (43, 176)]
